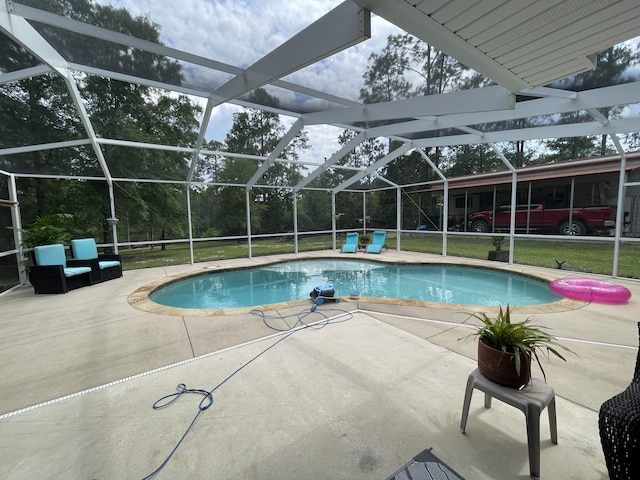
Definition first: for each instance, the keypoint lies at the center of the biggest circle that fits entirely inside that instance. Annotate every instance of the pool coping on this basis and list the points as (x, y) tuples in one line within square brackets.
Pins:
[(139, 298)]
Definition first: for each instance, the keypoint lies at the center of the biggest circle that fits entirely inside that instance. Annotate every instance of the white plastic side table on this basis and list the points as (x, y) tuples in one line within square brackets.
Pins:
[(531, 400)]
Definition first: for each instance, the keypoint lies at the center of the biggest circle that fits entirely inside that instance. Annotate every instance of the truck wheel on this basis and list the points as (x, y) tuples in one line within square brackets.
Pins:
[(480, 226), (576, 227)]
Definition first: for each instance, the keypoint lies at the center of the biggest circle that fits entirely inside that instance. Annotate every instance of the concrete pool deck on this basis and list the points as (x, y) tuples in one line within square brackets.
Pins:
[(356, 399)]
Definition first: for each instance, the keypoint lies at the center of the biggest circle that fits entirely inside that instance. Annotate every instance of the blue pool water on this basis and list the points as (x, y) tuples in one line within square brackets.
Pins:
[(295, 280)]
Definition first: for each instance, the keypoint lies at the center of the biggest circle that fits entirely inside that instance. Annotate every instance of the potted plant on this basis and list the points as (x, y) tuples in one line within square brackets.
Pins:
[(498, 254), (47, 230), (505, 348), (363, 241)]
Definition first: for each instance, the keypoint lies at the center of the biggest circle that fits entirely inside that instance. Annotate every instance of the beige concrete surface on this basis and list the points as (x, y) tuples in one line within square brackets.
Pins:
[(356, 399)]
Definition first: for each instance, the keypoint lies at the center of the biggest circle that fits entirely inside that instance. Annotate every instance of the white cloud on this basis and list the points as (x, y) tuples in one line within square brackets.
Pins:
[(237, 32), (324, 141)]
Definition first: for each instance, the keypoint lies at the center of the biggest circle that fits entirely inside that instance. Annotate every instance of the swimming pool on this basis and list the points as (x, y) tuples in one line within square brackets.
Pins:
[(294, 280)]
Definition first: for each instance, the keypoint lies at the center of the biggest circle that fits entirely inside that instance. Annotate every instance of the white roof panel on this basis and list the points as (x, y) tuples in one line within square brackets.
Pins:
[(493, 36)]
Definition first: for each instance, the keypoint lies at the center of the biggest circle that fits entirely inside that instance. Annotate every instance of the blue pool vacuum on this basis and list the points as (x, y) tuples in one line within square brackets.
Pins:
[(323, 293)]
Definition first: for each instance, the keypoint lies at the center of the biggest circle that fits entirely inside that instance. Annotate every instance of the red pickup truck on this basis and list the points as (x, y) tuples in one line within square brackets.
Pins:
[(539, 217)]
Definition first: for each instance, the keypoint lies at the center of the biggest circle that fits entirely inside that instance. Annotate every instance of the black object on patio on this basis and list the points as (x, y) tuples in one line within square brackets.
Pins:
[(425, 466), (619, 424)]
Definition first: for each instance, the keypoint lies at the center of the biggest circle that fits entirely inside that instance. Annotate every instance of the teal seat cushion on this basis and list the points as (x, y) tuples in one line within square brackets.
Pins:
[(351, 243), (73, 271), (108, 264), (379, 238)]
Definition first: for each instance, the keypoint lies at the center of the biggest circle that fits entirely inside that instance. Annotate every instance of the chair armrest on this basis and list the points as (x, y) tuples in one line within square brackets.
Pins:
[(48, 279), (109, 257), (47, 269), (92, 262)]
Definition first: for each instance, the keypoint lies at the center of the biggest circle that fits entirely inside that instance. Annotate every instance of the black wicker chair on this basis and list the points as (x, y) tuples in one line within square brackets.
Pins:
[(619, 424), (103, 267)]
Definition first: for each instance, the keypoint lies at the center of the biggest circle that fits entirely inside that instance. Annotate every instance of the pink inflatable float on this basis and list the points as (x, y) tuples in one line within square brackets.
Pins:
[(590, 290)]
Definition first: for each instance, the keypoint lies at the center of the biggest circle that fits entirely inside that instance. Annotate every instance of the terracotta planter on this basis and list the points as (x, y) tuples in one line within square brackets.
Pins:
[(500, 367)]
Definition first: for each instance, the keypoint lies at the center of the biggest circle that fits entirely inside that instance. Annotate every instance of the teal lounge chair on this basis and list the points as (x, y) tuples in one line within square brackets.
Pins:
[(103, 267), (53, 273), (378, 242), (351, 243)]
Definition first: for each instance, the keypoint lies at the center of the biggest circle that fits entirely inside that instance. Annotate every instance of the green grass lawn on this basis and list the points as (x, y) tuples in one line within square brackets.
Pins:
[(582, 256), (178, 253)]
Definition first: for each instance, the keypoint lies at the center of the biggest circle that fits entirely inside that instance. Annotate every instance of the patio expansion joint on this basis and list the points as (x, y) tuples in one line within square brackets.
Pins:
[(137, 376), (471, 326), (168, 367), (186, 331)]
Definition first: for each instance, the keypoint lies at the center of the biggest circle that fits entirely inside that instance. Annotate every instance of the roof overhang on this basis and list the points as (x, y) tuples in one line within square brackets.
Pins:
[(517, 44)]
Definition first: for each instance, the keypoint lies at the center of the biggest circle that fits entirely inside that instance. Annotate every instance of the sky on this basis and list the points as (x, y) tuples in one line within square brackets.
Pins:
[(239, 32)]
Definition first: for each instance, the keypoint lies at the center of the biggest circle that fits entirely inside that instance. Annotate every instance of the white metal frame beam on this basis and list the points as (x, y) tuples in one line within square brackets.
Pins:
[(18, 29), (24, 74), (349, 146), (401, 150), (82, 28), (624, 94), (625, 125), (293, 131), (465, 101)]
